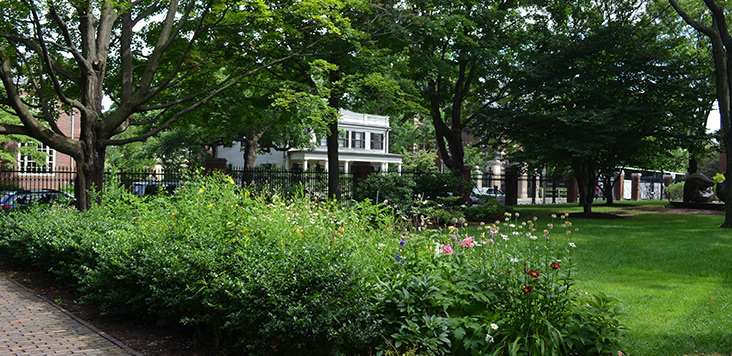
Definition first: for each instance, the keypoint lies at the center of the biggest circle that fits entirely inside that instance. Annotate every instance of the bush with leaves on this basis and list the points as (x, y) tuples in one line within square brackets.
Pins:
[(490, 210), (270, 274), (391, 189), (431, 185), (504, 291)]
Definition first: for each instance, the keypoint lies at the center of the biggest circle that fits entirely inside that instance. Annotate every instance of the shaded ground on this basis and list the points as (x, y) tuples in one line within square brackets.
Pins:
[(682, 211), (627, 211), (145, 338)]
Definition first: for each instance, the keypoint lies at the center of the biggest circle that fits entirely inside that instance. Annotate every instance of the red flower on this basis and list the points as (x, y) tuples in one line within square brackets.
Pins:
[(555, 265), (533, 273), (527, 289)]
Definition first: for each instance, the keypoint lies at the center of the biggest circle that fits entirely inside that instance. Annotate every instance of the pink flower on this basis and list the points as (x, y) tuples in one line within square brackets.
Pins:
[(447, 249), (555, 265), (467, 242)]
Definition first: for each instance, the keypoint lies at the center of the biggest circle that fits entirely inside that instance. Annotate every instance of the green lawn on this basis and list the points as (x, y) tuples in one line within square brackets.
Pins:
[(671, 273)]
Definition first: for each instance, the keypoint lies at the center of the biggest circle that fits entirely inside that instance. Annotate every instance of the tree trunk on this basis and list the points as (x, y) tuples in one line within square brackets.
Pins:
[(728, 178), (251, 147), (693, 164), (607, 189), (586, 182), (334, 182), (89, 181)]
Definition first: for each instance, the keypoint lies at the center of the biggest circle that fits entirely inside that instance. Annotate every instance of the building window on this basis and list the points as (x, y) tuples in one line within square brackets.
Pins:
[(28, 165), (343, 141), (359, 139), (324, 142), (377, 141)]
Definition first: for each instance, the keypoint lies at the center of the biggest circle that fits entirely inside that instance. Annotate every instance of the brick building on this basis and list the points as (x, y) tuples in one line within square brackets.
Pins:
[(54, 173)]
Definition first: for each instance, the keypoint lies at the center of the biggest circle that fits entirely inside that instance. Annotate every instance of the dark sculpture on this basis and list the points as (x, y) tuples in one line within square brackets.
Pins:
[(698, 188), (721, 189)]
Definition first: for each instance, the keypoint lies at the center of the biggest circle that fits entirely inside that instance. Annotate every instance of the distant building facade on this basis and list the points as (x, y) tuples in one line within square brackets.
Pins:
[(364, 147)]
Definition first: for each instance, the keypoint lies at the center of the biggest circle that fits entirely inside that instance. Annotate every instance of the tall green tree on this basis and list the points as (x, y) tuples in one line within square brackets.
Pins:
[(596, 93), (458, 53), (713, 22), (143, 55)]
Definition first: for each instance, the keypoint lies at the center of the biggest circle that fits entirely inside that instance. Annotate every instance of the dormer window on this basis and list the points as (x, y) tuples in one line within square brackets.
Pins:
[(359, 139), (377, 141)]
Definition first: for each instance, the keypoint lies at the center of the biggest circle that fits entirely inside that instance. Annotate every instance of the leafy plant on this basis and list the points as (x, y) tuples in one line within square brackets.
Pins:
[(392, 189)]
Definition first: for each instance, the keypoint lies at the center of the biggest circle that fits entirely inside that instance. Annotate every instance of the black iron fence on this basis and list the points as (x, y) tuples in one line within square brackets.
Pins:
[(146, 181), (312, 182), (528, 189), (59, 179)]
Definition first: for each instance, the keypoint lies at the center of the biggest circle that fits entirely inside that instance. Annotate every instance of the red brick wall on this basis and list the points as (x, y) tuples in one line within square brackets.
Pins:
[(67, 121)]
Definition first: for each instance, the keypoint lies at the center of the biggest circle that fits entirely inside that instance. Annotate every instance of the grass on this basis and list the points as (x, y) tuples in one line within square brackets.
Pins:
[(671, 273)]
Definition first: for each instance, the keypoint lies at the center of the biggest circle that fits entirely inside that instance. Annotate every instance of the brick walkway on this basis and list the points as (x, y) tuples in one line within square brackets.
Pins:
[(30, 325)]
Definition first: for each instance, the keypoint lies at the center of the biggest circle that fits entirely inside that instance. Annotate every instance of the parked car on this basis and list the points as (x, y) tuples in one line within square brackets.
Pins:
[(22, 198), (152, 187), (477, 196)]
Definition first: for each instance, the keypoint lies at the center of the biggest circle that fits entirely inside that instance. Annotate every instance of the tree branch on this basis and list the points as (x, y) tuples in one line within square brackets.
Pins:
[(692, 22)]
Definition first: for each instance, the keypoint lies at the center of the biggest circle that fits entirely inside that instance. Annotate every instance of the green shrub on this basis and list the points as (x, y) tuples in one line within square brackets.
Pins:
[(9, 186), (675, 191), (391, 188), (431, 185), (502, 291), (490, 210), (269, 274)]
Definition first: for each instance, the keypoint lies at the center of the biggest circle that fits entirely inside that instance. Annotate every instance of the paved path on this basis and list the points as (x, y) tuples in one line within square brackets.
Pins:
[(31, 325)]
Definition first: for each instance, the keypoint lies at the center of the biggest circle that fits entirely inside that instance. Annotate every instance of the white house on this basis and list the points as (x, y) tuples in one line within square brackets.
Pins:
[(365, 146)]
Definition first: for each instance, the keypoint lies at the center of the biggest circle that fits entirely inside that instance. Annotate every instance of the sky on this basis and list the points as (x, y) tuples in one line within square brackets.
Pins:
[(713, 122)]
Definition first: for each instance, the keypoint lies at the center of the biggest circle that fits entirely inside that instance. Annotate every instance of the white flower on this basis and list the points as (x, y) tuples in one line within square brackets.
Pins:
[(514, 259), (532, 237), (489, 338), (494, 326), (572, 244)]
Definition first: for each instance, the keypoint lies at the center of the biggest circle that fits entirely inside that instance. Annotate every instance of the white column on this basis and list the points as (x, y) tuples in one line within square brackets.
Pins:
[(384, 167), (345, 167), (399, 168), (326, 165), (304, 165)]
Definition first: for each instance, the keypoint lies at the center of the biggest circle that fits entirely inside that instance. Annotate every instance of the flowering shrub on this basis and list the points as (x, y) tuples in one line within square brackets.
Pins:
[(264, 274), (503, 290)]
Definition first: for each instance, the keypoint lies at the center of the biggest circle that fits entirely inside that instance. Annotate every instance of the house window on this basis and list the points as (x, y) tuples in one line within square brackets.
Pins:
[(343, 141), (359, 140), (324, 142), (28, 165), (377, 141)]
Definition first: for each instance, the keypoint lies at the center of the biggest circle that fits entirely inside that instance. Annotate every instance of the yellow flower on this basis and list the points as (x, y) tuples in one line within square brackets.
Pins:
[(200, 190), (233, 240), (174, 212), (210, 205), (231, 181)]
